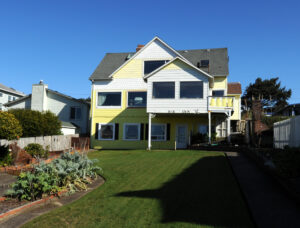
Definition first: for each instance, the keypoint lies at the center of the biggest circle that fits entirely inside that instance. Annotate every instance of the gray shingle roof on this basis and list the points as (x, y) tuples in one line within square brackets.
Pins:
[(218, 62), (11, 90)]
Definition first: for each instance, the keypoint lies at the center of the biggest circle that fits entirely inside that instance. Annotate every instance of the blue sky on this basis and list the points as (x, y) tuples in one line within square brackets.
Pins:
[(62, 42)]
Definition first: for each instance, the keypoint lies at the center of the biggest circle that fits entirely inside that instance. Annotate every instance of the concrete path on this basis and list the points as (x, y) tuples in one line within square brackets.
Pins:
[(269, 203), (5, 181)]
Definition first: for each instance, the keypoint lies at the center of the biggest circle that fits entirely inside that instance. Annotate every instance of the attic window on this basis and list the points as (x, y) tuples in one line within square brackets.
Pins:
[(150, 66), (203, 63)]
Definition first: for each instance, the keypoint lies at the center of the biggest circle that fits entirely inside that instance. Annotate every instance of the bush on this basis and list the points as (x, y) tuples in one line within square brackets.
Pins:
[(10, 127), (71, 171), (36, 150), (5, 156), (35, 123), (270, 120)]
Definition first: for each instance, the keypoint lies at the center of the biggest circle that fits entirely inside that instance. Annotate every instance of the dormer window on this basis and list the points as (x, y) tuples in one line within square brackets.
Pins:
[(152, 65), (203, 63)]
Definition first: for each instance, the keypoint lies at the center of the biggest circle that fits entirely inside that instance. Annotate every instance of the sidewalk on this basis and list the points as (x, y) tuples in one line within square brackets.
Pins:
[(5, 181), (268, 202)]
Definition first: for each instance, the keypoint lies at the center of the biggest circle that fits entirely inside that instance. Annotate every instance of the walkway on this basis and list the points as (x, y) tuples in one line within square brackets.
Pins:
[(5, 181), (269, 203)]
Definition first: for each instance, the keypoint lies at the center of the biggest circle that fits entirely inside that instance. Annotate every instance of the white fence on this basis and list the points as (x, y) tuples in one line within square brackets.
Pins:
[(55, 142), (287, 132)]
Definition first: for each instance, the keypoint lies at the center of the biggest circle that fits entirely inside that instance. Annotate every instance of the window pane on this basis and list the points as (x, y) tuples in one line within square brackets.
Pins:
[(106, 131), (78, 113), (202, 129), (158, 132), (109, 99), (163, 90), (218, 93), (72, 113), (137, 99), (150, 66), (131, 132), (191, 89)]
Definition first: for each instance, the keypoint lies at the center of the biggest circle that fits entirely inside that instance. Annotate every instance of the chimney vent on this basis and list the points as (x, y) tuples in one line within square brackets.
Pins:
[(139, 47)]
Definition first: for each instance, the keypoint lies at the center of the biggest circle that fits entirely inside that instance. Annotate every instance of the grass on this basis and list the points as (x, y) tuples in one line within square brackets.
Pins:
[(157, 189)]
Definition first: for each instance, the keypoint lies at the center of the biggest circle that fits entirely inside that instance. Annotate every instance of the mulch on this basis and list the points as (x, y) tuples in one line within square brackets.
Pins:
[(9, 204)]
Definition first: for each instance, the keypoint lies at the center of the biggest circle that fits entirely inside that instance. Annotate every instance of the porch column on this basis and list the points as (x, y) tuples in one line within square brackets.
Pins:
[(228, 126), (209, 127), (149, 132)]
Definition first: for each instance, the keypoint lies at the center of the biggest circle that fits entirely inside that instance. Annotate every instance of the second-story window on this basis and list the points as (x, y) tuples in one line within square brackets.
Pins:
[(150, 66), (106, 99), (218, 93), (9, 98), (137, 99), (75, 113), (163, 90), (191, 90), (1, 94)]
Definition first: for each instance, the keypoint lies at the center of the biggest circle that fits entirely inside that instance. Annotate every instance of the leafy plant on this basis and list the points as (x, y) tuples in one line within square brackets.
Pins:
[(36, 150), (10, 127), (71, 171), (5, 156), (35, 123), (270, 120)]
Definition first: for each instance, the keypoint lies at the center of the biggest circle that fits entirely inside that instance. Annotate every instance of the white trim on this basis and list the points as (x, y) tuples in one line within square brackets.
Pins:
[(134, 91), (99, 131), (132, 124), (165, 136), (186, 135), (138, 52), (183, 60), (108, 107)]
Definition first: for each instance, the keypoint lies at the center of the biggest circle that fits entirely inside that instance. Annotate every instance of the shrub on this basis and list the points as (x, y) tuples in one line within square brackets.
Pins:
[(10, 127), (270, 120), (5, 156), (71, 171), (36, 150), (35, 123)]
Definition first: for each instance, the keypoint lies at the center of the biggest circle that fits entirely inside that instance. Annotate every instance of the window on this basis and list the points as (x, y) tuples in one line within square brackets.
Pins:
[(14, 98), (9, 98), (158, 132), (106, 131), (218, 93), (131, 131), (202, 129), (137, 99), (203, 63), (150, 66), (75, 113), (191, 89), (163, 90), (0, 106), (109, 99), (1, 94)]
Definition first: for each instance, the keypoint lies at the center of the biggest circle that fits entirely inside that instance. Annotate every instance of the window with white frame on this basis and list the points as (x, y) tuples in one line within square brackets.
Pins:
[(163, 90), (75, 113), (9, 98), (137, 99), (191, 89), (158, 132), (1, 94), (131, 131), (152, 65), (106, 131), (108, 99), (218, 93)]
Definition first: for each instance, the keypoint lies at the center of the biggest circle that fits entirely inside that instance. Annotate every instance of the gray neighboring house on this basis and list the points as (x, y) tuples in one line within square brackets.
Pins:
[(289, 110), (72, 112), (8, 94)]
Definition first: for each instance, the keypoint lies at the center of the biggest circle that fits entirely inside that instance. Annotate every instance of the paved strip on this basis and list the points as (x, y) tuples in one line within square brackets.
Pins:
[(269, 203), (35, 211), (5, 181)]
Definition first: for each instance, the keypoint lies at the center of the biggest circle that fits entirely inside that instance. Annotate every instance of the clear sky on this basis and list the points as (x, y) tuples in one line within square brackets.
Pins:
[(62, 42)]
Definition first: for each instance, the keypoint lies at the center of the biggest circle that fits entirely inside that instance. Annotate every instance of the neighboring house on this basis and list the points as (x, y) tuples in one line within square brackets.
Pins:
[(289, 110), (158, 97), (8, 94), (73, 113)]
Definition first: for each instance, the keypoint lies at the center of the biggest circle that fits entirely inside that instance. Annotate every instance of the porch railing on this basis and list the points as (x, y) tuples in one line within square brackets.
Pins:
[(219, 103)]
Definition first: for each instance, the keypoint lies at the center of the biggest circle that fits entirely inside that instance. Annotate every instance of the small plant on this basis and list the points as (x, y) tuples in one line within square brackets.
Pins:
[(36, 150), (5, 156)]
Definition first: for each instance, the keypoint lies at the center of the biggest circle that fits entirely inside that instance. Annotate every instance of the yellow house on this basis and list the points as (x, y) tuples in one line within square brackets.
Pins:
[(160, 98)]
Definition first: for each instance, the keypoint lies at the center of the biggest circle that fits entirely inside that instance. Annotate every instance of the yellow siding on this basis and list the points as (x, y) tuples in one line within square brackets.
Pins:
[(220, 83), (236, 113), (176, 65), (133, 69)]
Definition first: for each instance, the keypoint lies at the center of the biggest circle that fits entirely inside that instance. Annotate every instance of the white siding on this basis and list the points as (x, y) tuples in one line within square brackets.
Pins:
[(24, 104), (61, 106), (4, 98), (68, 131), (177, 105), (287, 133), (121, 84), (156, 50)]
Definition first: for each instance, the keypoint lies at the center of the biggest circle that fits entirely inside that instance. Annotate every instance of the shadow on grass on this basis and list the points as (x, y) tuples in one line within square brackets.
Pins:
[(205, 193)]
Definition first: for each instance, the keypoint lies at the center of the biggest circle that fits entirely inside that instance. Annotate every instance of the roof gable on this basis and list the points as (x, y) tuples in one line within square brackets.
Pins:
[(234, 88)]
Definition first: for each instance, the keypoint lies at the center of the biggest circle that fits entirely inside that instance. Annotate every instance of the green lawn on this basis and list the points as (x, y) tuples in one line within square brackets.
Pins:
[(157, 189)]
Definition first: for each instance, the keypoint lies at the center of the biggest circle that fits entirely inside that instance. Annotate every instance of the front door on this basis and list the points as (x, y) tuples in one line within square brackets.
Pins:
[(181, 136)]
